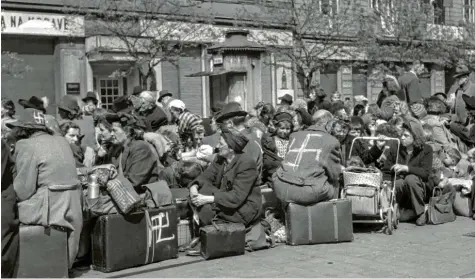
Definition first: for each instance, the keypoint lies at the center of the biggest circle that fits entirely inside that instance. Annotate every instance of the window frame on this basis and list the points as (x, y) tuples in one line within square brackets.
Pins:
[(468, 11), (120, 91)]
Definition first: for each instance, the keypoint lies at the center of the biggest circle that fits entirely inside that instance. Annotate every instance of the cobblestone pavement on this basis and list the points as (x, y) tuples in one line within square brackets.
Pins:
[(430, 251)]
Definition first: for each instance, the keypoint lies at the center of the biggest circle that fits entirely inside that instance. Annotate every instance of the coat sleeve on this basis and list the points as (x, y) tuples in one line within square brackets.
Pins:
[(425, 165), (208, 176), (246, 175), (141, 164), (389, 161), (369, 156), (26, 164), (333, 163)]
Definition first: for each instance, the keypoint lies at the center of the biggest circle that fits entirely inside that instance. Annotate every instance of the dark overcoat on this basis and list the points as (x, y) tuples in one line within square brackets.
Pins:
[(236, 197)]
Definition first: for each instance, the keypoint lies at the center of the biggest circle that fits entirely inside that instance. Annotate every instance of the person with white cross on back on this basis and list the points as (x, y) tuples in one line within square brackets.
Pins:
[(311, 168)]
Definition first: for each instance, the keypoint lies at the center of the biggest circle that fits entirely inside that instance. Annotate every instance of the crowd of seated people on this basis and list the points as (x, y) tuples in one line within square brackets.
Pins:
[(299, 149)]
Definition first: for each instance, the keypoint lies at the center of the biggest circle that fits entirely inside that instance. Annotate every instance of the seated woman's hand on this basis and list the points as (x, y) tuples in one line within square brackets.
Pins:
[(398, 168), (193, 191), (200, 200)]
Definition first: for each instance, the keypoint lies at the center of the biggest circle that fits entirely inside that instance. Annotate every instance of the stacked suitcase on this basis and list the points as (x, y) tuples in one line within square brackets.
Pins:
[(124, 241)]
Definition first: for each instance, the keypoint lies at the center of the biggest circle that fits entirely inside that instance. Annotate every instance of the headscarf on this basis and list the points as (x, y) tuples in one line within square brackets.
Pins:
[(234, 139)]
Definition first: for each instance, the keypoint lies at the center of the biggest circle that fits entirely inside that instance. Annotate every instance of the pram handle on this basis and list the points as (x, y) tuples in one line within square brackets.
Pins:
[(380, 139)]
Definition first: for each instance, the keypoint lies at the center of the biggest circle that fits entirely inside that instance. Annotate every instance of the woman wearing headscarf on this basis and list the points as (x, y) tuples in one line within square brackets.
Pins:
[(412, 168), (46, 182), (227, 189)]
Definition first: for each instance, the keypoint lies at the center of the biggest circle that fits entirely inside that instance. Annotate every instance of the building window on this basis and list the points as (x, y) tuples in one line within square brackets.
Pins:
[(329, 7), (109, 90), (469, 11)]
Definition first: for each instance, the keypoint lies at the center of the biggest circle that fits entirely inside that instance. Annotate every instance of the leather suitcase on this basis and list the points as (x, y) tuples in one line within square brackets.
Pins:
[(324, 222), (43, 253), (222, 240), (124, 241)]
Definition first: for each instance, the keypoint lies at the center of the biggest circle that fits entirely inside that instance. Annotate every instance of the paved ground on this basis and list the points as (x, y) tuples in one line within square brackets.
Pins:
[(430, 251)]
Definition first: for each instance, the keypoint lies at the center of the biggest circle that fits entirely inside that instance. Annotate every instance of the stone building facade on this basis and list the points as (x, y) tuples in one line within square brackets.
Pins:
[(66, 58)]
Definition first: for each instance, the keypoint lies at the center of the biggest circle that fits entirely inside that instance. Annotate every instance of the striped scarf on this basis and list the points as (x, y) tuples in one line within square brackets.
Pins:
[(187, 122)]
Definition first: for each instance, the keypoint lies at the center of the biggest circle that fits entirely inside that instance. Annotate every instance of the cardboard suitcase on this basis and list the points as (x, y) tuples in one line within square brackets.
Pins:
[(43, 253), (324, 222), (140, 238)]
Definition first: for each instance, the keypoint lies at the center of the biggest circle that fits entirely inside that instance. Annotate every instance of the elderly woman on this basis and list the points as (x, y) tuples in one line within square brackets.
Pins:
[(46, 183), (412, 168), (227, 188)]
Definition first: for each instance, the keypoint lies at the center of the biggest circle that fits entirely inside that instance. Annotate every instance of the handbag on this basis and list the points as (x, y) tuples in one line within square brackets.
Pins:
[(441, 209), (122, 192), (222, 240)]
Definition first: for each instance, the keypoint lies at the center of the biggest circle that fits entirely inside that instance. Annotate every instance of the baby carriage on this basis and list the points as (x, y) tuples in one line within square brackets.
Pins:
[(372, 202)]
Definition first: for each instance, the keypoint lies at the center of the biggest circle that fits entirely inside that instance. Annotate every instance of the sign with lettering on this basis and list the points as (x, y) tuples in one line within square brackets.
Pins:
[(42, 24), (73, 88)]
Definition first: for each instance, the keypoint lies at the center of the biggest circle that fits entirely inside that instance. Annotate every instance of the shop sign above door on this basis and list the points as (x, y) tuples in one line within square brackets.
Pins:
[(42, 24)]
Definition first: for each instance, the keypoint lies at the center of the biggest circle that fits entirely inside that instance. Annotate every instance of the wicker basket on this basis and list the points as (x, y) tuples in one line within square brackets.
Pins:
[(362, 176), (185, 233)]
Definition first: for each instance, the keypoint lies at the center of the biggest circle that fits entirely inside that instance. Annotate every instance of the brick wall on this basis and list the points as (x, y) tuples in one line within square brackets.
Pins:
[(169, 78), (187, 89), (453, 11), (191, 87)]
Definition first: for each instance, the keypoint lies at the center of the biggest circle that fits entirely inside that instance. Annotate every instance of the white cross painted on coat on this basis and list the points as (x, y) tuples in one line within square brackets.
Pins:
[(303, 150)]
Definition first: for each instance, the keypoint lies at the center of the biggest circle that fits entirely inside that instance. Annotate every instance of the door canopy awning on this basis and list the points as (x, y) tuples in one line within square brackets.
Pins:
[(216, 73)]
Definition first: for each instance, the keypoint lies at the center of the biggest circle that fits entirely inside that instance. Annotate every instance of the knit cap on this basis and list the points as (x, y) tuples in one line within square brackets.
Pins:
[(419, 110)]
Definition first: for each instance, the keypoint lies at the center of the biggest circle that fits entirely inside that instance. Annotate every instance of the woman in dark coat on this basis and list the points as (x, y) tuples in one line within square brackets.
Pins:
[(227, 189), (412, 168), (10, 221)]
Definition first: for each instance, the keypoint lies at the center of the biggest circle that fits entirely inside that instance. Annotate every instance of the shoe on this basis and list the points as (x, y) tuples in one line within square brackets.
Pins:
[(473, 217), (193, 243), (194, 253), (421, 220)]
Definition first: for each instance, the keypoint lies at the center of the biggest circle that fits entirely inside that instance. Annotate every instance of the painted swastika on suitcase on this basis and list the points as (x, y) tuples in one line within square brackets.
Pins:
[(296, 154), (158, 225)]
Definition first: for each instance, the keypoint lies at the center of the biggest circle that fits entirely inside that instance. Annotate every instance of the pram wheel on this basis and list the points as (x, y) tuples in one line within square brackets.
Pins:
[(396, 216), (389, 221)]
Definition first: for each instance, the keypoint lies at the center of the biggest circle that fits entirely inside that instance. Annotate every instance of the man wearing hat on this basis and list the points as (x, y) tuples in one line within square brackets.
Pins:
[(122, 104), (91, 103), (137, 90), (39, 104), (466, 87), (232, 115), (163, 100), (287, 99), (69, 110), (46, 182)]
